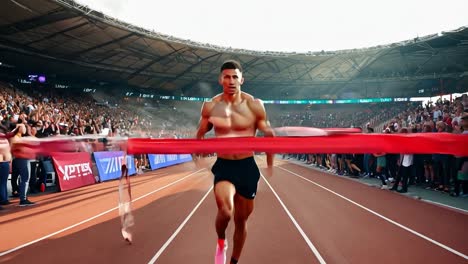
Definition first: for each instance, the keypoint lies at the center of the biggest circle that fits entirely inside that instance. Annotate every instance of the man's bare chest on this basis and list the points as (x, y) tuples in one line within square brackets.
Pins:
[(237, 117)]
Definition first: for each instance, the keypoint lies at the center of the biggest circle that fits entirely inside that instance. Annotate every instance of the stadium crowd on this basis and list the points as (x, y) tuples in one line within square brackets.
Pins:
[(29, 113), (445, 173), (344, 116)]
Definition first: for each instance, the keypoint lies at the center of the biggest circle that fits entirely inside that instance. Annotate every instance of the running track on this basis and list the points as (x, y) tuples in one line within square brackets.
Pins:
[(301, 216)]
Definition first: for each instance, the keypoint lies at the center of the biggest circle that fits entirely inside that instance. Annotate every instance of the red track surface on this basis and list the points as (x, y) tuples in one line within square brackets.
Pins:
[(337, 216)]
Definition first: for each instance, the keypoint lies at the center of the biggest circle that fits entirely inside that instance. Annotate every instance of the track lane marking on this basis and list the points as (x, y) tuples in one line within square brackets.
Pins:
[(299, 228), (383, 217), (93, 217), (176, 232)]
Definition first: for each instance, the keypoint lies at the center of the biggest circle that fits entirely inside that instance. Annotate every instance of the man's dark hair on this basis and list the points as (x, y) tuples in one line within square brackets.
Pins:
[(231, 65)]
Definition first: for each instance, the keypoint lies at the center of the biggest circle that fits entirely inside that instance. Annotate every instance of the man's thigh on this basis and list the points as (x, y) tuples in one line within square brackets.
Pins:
[(224, 193)]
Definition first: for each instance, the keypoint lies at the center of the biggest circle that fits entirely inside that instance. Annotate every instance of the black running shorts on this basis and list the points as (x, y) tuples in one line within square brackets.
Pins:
[(243, 174)]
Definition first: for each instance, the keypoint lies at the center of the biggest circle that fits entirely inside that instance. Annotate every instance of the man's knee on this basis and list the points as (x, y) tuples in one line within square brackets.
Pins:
[(240, 219), (240, 223), (226, 211)]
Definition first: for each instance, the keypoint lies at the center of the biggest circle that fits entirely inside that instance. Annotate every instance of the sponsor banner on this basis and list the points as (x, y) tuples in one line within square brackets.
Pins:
[(131, 165), (73, 169), (109, 164), (185, 157), (164, 160)]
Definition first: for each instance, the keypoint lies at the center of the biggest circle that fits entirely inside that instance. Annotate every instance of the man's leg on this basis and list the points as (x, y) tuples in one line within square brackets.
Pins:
[(23, 165), (366, 164), (4, 171), (243, 207), (224, 194), (14, 178)]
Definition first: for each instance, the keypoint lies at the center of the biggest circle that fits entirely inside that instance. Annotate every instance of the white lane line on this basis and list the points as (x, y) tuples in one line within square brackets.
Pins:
[(164, 187), (176, 232), (303, 234), (383, 217), (373, 185), (91, 218)]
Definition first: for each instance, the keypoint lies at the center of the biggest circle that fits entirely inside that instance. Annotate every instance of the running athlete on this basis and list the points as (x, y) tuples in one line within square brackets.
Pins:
[(234, 113)]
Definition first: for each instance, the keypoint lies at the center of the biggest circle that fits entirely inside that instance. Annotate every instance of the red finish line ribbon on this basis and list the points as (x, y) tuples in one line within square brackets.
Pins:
[(421, 143), (300, 140)]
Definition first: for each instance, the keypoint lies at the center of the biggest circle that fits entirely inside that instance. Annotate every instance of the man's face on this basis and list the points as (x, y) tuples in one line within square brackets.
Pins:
[(464, 123), (231, 80)]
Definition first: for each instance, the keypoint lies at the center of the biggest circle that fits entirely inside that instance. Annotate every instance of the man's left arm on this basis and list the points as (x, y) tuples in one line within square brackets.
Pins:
[(264, 125)]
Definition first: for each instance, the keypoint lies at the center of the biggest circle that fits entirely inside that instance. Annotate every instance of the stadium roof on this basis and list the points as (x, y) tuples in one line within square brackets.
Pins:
[(69, 40)]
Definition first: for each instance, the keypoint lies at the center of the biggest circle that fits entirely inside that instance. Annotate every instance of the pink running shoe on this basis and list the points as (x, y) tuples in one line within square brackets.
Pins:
[(221, 248)]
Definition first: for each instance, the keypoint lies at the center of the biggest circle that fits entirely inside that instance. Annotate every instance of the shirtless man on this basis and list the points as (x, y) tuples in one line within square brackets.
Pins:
[(234, 113)]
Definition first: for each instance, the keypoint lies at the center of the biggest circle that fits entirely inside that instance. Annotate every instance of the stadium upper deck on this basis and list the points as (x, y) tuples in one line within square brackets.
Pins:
[(72, 42)]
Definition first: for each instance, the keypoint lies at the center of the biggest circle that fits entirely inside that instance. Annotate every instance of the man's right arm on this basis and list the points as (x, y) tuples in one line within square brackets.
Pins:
[(204, 125)]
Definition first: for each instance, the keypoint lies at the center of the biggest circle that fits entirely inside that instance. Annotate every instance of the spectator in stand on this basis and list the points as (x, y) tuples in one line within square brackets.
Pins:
[(352, 164), (392, 158), (368, 158), (428, 163), (5, 159), (33, 165), (447, 119), (458, 114), (39, 130), (428, 123), (381, 165), (461, 179), (440, 163), (464, 102), (418, 163), (405, 163), (20, 168)]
